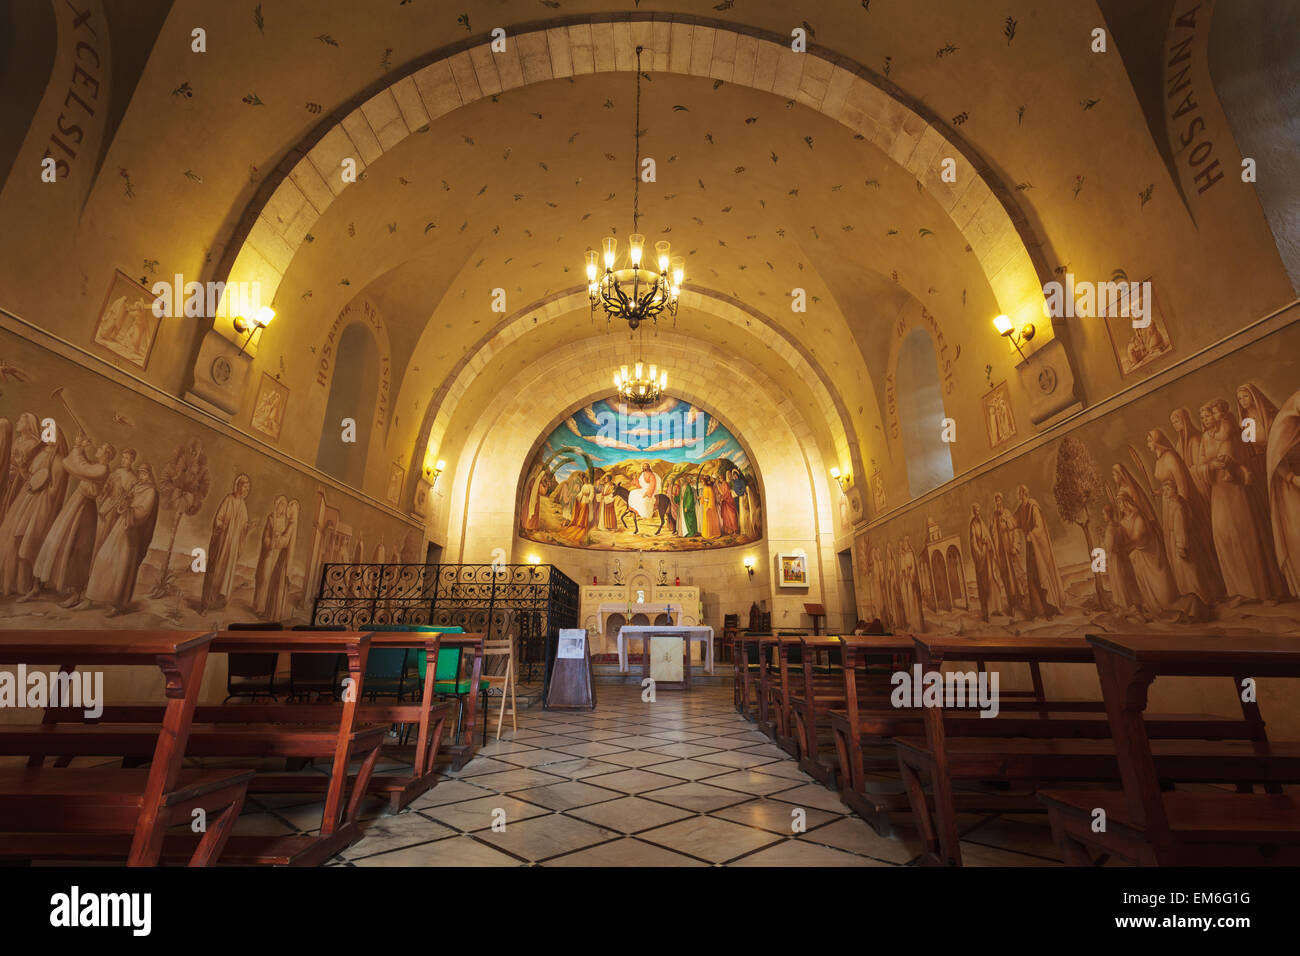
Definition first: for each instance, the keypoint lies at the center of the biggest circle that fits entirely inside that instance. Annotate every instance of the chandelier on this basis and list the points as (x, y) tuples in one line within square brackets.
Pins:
[(632, 290), (640, 388)]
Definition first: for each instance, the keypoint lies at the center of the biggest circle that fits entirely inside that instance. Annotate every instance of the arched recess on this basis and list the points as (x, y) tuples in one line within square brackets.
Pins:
[(352, 394), (983, 208), (755, 408), (443, 404), (927, 453)]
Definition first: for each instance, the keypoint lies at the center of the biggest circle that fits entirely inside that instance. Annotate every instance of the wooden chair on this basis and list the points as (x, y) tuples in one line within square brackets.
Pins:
[(252, 675), (730, 631), (505, 681)]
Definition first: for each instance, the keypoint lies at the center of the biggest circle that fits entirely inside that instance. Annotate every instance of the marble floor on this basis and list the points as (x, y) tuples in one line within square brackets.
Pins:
[(683, 781)]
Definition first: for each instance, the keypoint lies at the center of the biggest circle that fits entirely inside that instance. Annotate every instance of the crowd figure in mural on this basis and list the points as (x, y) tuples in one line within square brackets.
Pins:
[(692, 505), (1208, 517), (77, 524)]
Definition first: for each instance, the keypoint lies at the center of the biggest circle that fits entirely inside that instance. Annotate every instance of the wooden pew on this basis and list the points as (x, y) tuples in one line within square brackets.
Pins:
[(747, 664), (51, 813), (1039, 739), (821, 691), (864, 728), (309, 731), (787, 681), (1147, 825)]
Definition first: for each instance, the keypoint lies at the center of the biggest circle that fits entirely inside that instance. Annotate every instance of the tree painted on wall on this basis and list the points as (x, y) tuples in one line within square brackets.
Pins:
[(1077, 484), (182, 487)]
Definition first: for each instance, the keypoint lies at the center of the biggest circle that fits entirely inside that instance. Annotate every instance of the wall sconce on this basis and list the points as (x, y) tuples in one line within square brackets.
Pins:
[(431, 472), (534, 559), (1007, 329), (843, 479), (251, 325), (749, 564)]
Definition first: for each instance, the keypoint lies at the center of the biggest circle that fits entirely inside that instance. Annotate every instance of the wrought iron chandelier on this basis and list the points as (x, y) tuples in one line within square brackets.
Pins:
[(632, 290), (643, 387)]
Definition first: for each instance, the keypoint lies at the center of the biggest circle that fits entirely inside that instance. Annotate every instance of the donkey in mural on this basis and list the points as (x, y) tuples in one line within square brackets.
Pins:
[(663, 510)]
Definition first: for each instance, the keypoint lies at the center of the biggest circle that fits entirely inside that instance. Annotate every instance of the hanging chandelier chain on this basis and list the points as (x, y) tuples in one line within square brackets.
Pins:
[(636, 171)]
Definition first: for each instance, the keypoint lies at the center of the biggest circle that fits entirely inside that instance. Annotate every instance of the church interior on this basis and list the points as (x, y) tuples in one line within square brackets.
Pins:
[(654, 433)]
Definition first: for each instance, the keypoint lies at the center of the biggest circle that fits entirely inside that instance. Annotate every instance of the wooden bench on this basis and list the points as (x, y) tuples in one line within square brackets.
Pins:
[(1146, 824), (785, 680), (746, 665), (57, 811), (53, 813), (1052, 740), (821, 691)]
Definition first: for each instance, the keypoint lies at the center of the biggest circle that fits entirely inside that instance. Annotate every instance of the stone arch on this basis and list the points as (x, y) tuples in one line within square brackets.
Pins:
[(981, 206), (443, 403)]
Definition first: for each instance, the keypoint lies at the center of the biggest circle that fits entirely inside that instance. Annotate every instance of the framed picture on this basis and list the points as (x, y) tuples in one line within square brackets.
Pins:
[(998, 419), (1135, 349), (793, 570), (268, 410), (396, 474), (126, 325)]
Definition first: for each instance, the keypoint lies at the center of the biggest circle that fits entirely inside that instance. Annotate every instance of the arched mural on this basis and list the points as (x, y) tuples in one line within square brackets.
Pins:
[(667, 478)]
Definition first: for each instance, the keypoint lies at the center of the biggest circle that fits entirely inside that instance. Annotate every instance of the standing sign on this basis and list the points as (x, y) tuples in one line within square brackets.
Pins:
[(570, 686)]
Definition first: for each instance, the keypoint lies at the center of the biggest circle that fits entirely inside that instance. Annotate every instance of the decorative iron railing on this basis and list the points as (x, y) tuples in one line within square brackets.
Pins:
[(532, 601)]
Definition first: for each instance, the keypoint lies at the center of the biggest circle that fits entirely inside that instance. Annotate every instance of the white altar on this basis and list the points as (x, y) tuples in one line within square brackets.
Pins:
[(639, 600)]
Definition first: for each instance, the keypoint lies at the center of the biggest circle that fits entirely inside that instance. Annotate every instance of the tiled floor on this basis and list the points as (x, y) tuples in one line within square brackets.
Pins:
[(684, 781)]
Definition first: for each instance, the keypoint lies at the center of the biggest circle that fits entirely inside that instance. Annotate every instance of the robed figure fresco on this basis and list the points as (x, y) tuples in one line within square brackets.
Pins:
[(1124, 591), (271, 580), (910, 581), (1044, 579), (19, 446), (1191, 449), (1185, 516), (983, 554), (64, 562), (228, 527), (113, 575), (41, 487), (1249, 571), (1282, 464), (1009, 556)]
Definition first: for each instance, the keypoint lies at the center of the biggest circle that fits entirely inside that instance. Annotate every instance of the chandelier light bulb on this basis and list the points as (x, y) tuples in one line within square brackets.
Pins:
[(593, 264), (654, 372), (663, 381), (611, 251), (638, 371), (679, 270), (635, 245), (662, 248)]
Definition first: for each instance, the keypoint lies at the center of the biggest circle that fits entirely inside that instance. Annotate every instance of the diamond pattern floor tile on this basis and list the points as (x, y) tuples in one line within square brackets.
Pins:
[(685, 781)]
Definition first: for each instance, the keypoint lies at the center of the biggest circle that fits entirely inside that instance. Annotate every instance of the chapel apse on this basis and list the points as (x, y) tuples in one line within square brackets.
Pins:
[(670, 477)]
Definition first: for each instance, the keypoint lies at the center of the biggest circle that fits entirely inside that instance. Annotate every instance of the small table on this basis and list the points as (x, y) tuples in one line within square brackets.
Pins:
[(645, 632)]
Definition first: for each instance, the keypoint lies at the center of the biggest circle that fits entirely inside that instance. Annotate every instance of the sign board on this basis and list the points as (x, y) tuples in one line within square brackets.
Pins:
[(570, 685)]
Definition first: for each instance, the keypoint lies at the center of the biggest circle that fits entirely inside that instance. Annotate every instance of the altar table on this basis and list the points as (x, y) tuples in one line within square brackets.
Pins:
[(645, 632)]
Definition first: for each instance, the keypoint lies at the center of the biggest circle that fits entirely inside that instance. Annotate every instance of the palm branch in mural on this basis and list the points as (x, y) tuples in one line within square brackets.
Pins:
[(182, 487)]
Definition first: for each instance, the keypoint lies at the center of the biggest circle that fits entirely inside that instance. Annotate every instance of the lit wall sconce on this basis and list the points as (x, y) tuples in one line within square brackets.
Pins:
[(431, 472), (1006, 328), (534, 559), (843, 479), (251, 325), (749, 564)]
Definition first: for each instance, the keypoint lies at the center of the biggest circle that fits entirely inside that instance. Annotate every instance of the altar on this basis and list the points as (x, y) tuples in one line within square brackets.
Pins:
[(637, 600), (665, 658)]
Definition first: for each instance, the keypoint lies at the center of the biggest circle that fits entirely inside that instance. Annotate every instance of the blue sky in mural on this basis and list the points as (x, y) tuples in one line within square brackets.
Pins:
[(673, 430)]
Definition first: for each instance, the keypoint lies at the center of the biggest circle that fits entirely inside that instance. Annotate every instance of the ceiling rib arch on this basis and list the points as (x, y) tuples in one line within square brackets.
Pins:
[(443, 404), (980, 206)]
